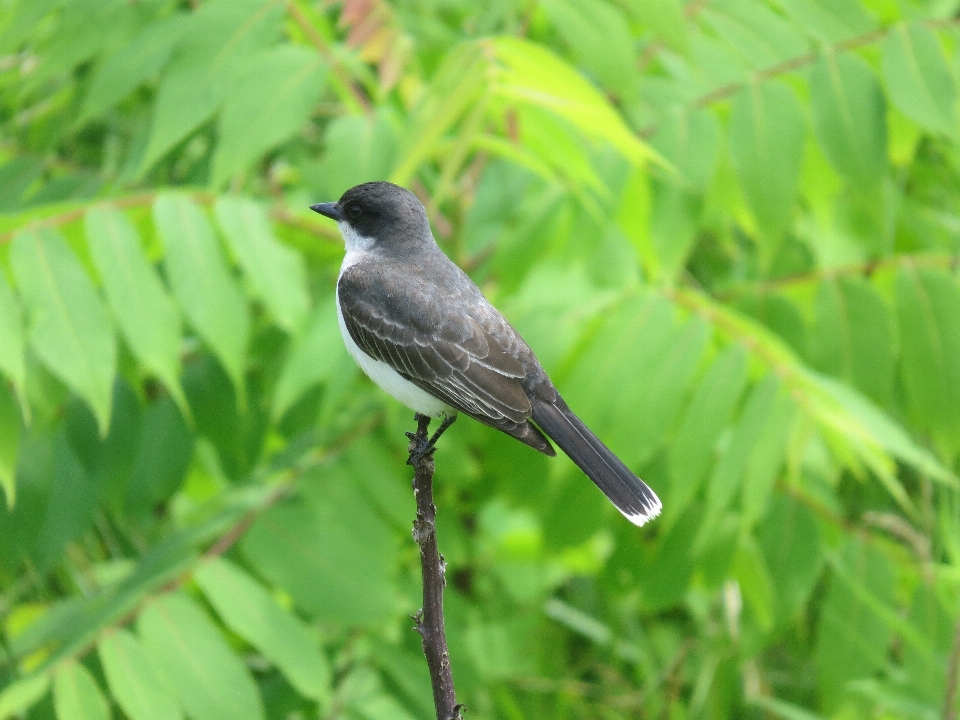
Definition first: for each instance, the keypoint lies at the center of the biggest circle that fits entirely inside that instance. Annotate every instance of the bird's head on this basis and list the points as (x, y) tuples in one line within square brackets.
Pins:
[(378, 214)]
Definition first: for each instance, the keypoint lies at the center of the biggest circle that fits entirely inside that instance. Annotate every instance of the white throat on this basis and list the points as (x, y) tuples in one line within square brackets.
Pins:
[(359, 248), (357, 245)]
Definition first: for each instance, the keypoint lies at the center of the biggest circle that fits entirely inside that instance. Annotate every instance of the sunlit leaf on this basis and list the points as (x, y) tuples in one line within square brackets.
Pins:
[(853, 338), (247, 608), (271, 96), (764, 37), (309, 548), (68, 326), (665, 19), (277, 273), (849, 117), (134, 681), (196, 81), (918, 77), (928, 305), (76, 695), (829, 20), (202, 283), (21, 695), (598, 34), (851, 639), (315, 355), (530, 74), (690, 141), (140, 304), (763, 468), (767, 132), (789, 539), (195, 663), (12, 342), (9, 444), (128, 67), (693, 450)]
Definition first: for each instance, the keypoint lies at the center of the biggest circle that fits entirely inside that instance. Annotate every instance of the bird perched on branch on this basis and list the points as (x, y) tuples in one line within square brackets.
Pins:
[(422, 330)]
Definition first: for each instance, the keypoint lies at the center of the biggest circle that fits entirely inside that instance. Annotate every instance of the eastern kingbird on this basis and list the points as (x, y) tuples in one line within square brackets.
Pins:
[(423, 331)]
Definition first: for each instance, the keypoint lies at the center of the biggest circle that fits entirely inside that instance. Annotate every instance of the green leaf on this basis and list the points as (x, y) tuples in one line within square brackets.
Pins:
[(202, 283), (197, 80), (755, 582), (851, 639), (599, 36), (161, 457), (76, 695), (309, 547), (276, 272), (143, 309), (313, 359), (761, 35), (195, 663), (12, 343), (138, 61), (134, 681), (690, 140), (849, 117), (872, 425), (728, 475), (764, 465), (781, 709), (674, 221), (530, 74), (928, 305), (918, 77), (767, 133), (71, 43), (853, 337), (69, 510), (789, 539), (602, 390), (19, 696), (706, 416), (358, 148), (665, 19), (272, 95), (69, 328), (9, 444), (249, 610), (829, 20)]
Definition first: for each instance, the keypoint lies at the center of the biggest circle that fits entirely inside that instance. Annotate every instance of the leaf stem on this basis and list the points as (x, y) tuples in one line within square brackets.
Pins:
[(429, 619), (795, 63), (278, 214), (297, 14)]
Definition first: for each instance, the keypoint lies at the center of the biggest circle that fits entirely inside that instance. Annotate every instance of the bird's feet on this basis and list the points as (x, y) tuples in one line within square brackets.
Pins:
[(420, 447)]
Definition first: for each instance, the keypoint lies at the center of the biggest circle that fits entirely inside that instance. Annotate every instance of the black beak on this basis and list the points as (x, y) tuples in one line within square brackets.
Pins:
[(331, 210)]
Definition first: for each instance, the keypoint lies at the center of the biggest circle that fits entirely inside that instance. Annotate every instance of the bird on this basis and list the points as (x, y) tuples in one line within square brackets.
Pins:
[(422, 330)]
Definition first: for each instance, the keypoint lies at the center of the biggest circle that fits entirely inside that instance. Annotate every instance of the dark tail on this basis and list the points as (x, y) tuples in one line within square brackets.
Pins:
[(626, 491)]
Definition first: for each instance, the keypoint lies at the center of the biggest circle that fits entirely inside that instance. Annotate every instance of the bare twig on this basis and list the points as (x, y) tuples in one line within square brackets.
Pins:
[(953, 670), (429, 619)]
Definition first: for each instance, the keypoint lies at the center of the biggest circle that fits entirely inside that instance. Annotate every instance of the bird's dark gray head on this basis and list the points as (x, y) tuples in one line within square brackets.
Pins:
[(380, 212)]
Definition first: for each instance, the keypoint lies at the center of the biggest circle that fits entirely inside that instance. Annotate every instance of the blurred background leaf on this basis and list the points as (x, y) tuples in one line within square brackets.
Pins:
[(729, 229)]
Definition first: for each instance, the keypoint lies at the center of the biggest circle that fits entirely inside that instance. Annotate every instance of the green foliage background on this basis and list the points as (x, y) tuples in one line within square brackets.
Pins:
[(729, 228)]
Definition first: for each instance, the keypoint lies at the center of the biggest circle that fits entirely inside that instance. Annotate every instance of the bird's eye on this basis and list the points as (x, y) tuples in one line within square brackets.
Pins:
[(353, 210)]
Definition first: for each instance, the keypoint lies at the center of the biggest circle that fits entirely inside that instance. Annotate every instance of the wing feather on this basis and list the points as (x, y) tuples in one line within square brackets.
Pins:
[(461, 359)]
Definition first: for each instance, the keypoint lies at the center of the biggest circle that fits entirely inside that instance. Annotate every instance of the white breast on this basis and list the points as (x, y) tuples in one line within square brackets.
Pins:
[(381, 373)]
